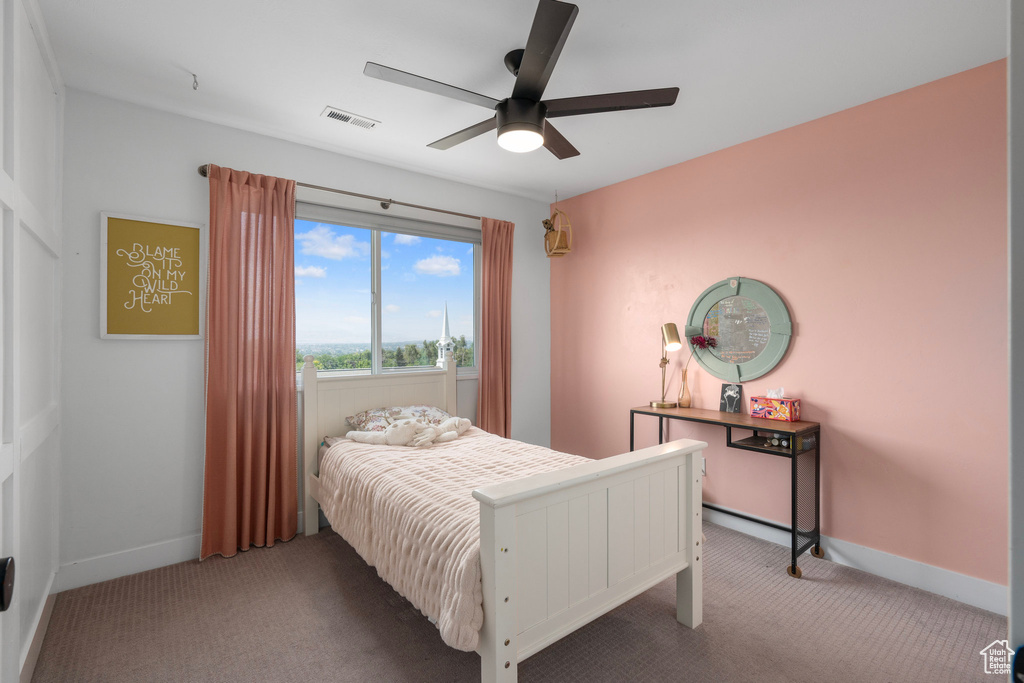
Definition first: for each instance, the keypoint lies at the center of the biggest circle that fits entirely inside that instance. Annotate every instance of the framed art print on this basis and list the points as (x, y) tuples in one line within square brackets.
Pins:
[(731, 394), (151, 274)]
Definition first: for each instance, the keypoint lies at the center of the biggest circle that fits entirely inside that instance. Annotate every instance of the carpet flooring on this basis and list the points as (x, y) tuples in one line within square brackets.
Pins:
[(311, 610)]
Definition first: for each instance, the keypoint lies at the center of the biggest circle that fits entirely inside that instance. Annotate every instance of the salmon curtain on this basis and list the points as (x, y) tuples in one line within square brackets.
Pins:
[(250, 487), (494, 406)]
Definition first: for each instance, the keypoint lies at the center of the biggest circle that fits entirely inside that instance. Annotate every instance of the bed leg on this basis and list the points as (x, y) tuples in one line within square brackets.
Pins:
[(492, 667), (498, 659), (688, 598), (311, 517), (689, 582), (311, 509)]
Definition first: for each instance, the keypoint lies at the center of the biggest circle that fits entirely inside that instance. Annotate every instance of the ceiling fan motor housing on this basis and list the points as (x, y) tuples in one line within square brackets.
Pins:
[(520, 114)]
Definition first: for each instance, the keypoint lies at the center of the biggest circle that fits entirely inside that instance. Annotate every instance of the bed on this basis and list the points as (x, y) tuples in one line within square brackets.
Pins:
[(557, 549)]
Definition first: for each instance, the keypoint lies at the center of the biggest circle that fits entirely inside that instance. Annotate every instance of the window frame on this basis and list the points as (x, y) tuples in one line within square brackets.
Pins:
[(378, 224)]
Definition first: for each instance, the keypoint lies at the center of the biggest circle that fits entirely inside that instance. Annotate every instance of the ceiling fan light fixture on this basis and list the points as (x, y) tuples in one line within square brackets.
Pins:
[(520, 124), (520, 139)]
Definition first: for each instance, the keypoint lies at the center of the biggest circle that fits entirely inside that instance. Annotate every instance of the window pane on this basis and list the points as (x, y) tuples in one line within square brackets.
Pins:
[(419, 276), (332, 295)]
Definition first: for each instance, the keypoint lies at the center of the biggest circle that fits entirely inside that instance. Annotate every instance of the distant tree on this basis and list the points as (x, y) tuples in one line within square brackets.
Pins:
[(361, 359), (326, 361), (463, 352), (430, 350), (412, 354), (399, 358)]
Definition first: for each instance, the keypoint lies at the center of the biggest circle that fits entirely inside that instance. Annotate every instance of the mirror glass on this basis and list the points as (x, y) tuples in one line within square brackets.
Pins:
[(741, 327)]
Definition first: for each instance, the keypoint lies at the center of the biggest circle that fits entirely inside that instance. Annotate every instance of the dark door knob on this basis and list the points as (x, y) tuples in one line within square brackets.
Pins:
[(6, 582)]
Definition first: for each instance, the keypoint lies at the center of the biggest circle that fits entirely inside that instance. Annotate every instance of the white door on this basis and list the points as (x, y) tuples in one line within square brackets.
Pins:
[(1016, 97)]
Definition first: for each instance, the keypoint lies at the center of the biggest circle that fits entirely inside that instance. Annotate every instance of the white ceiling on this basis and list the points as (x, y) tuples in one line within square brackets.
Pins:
[(745, 68)]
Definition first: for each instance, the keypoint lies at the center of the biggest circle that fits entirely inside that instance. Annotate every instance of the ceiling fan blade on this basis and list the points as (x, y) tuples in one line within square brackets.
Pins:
[(616, 101), (551, 27), (557, 144), (386, 73), (465, 134)]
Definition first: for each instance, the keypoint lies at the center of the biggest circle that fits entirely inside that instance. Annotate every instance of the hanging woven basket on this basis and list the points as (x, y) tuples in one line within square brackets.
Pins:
[(558, 234)]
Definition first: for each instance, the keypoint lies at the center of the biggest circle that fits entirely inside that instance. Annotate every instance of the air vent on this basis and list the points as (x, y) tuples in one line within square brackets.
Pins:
[(349, 117)]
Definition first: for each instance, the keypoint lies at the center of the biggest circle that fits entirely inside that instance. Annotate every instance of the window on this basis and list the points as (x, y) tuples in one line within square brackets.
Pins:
[(371, 291)]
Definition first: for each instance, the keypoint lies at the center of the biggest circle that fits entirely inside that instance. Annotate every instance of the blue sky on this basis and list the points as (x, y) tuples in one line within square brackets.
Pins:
[(418, 275)]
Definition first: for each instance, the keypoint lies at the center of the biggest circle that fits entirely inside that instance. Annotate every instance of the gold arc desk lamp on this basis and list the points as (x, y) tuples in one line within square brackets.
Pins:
[(669, 342)]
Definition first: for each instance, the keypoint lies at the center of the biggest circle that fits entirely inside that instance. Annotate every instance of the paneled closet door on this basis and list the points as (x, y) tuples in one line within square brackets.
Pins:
[(31, 121)]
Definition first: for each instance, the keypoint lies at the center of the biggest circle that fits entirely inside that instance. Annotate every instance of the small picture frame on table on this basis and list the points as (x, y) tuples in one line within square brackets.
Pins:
[(731, 395)]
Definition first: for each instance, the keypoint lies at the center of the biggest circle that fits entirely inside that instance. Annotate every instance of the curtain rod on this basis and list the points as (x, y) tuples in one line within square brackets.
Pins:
[(385, 203)]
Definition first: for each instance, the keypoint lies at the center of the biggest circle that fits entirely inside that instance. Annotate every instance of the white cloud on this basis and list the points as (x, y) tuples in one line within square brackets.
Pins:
[(391, 308), (385, 254), (321, 241), (310, 271), (470, 251), (441, 266), (406, 239), (434, 314)]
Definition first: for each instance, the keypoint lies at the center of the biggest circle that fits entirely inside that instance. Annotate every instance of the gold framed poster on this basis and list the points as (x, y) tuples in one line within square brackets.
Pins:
[(150, 277)]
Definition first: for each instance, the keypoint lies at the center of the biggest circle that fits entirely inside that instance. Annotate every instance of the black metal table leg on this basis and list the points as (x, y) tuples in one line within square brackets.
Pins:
[(631, 416), (817, 551), (794, 569)]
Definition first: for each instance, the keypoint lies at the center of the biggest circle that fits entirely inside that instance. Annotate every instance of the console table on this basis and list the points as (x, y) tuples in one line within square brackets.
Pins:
[(800, 442)]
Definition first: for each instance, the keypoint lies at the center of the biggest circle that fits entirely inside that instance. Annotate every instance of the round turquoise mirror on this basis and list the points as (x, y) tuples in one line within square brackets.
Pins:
[(750, 324)]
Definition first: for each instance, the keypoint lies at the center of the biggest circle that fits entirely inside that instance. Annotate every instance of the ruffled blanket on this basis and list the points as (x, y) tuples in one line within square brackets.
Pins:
[(410, 513)]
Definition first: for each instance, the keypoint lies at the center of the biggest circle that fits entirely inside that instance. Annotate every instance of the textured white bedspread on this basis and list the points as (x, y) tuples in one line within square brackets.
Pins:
[(410, 513)]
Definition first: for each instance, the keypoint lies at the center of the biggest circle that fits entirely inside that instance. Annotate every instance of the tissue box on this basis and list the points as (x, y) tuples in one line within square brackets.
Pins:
[(785, 409)]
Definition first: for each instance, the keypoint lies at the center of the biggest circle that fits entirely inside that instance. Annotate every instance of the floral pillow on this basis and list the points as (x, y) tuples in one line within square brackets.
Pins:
[(378, 419)]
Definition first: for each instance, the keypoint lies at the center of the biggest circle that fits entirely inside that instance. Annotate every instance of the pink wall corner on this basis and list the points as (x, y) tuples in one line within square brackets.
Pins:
[(884, 229)]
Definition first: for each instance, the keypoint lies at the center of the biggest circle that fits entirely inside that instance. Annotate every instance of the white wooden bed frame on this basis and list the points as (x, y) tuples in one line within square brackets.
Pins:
[(557, 549)]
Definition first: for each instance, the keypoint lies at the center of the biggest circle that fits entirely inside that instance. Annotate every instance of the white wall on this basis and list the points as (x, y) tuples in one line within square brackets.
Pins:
[(31, 115), (134, 409)]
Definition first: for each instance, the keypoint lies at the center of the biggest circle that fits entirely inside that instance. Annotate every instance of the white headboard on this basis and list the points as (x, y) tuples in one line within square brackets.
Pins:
[(327, 401)]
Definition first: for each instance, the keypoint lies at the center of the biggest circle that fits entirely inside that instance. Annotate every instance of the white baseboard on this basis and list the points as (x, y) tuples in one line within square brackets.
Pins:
[(967, 589), (114, 565), (31, 656), (132, 561)]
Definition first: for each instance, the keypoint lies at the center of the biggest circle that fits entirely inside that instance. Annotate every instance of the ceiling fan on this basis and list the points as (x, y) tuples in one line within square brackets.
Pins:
[(521, 119)]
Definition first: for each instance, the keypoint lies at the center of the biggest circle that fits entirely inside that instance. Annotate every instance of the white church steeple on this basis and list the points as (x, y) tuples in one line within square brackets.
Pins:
[(445, 344)]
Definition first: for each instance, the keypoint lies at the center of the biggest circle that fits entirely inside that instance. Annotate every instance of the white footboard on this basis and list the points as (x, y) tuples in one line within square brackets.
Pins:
[(562, 548)]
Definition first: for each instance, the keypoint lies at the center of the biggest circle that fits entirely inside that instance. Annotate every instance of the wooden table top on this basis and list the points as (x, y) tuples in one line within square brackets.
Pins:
[(740, 420)]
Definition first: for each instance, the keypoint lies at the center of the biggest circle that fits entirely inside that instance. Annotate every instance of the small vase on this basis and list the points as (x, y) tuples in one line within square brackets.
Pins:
[(684, 391)]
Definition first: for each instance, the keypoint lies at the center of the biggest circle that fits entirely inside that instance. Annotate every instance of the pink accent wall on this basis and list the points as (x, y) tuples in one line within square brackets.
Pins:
[(884, 229)]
